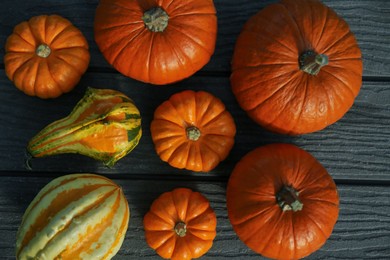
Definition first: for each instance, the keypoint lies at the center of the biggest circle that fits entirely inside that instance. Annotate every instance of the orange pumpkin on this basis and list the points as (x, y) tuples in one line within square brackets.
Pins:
[(193, 130), (76, 216), (180, 225), (281, 202), (46, 56), (158, 42), (296, 67)]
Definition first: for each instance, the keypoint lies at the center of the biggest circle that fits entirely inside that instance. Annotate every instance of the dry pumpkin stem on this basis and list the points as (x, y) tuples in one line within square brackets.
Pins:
[(28, 157), (181, 229), (311, 62), (43, 50), (193, 133), (156, 19), (288, 199)]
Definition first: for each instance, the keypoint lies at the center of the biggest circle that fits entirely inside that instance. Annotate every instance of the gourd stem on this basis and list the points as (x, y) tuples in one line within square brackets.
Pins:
[(181, 229), (43, 50), (288, 199), (311, 62), (155, 19), (193, 133)]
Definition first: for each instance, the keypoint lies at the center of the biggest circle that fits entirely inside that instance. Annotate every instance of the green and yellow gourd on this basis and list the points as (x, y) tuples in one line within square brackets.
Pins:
[(76, 216), (105, 125)]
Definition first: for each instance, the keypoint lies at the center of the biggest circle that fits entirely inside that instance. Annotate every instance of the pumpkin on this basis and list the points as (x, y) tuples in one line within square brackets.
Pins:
[(46, 56), (157, 42), (281, 202), (105, 125), (76, 216), (193, 131), (296, 67), (180, 225)]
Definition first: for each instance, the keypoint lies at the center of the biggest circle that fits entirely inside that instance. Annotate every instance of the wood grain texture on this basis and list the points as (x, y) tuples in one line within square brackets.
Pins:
[(357, 147), (362, 230), (369, 21), (355, 150)]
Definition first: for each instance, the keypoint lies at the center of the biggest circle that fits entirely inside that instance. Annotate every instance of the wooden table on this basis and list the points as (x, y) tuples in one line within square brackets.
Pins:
[(355, 150)]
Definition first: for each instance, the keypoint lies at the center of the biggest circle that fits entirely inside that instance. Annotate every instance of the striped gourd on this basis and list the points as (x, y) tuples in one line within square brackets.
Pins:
[(77, 216), (105, 125)]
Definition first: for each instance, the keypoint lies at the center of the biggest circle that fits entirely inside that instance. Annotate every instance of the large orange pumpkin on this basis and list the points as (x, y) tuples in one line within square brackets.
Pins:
[(193, 130), (296, 67), (281, 202), (180, 225), (46, 56), (156, 41), (76, 216)]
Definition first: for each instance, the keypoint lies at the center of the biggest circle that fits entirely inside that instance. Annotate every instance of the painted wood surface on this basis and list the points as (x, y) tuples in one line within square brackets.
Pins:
[(355, 150)]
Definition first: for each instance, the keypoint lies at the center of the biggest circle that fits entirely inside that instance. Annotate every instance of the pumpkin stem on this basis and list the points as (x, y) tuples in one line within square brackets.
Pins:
[(181, 229), (288, 199), (28, 160), (193, 133), (156, 19), (311, 62), (43, 50)]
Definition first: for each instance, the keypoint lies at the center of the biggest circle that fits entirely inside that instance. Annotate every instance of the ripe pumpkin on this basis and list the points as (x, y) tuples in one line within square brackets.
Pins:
[(105, 125), (296, 67), (157, 42), (180, 225), (46, 56), (281, 202), (193, 130), (77, 216)]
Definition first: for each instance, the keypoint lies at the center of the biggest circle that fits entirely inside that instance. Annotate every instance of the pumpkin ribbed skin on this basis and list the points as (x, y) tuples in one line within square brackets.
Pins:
[(268, 79), (180, 225), (183, 47), (46, 56), (254, 202), (105, 125), (77, 216), (193, 130)]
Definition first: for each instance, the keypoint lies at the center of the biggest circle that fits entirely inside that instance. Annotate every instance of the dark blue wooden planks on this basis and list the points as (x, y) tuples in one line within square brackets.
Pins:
[(357, 147), (355, 150)]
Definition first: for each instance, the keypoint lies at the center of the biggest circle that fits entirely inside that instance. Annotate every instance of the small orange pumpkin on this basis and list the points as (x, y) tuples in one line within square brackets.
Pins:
[(46, 56), (193, 130), (180, 225), (296, 67), (157, 42), (282, 202)]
